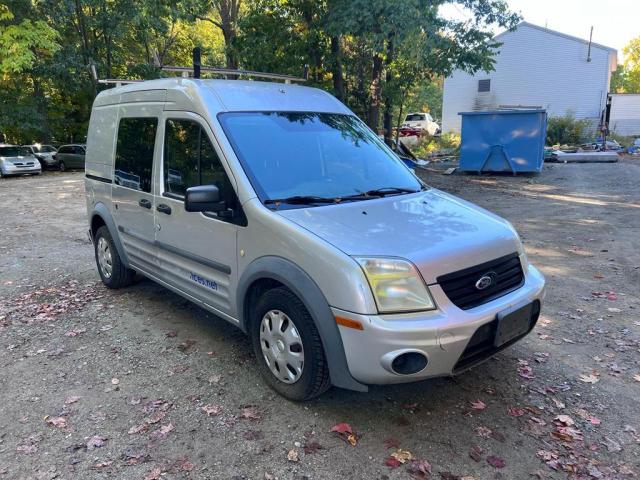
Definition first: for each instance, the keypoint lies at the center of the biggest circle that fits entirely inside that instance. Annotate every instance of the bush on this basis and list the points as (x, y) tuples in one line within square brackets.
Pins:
[(621, 139), (566, 130), (446, 143)]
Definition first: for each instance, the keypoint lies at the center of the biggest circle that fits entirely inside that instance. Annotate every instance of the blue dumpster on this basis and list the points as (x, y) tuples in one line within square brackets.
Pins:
[(503, 141)]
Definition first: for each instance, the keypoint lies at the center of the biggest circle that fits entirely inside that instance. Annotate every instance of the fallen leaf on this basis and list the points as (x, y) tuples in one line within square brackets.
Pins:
[(637, 377), (312, 447), (251, 413), (162, 432), (58, 422), (293, 455), (476, 453), (515, 412), (589, 378), (478, 405), (565, 420), (419, 467), (115, 381), (345, 432), (342, 428), (403, 456), (138, 429), (171, 334), (185, 465), (96, 442), (211, 409), (392, 462), (71, 399), (496, 462), (483, 432), (186, 345), (154, 474), (101, 465)]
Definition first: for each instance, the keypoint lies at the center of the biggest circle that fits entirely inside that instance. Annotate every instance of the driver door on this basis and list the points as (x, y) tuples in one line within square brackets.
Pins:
[(196, 251)]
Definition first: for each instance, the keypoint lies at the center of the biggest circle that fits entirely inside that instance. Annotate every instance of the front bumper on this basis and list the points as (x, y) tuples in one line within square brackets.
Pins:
[(441, 335), (48, 161), (11, 169)]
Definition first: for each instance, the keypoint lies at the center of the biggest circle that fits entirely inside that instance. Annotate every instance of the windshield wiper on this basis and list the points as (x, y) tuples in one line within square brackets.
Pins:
[(384, 191), (300, 200)]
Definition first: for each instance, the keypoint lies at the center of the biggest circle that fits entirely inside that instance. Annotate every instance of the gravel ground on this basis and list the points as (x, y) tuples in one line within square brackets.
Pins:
[(138, 383)]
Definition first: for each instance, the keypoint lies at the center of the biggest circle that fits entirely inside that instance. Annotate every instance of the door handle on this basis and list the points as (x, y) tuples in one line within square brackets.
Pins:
[(164, 208), (143, 202)]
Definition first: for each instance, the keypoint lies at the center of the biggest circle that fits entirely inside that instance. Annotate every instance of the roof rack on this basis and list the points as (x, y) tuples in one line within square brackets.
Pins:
[(197, 69)]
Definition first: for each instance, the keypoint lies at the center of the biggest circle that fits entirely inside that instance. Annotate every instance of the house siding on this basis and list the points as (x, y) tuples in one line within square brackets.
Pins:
[(535, 68), (625, 114)]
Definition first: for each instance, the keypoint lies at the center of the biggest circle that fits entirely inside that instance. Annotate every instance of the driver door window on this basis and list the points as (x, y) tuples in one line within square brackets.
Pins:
[(190, 160)]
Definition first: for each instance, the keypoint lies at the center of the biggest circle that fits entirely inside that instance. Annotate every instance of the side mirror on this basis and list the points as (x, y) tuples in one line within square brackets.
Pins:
[(205, 198)]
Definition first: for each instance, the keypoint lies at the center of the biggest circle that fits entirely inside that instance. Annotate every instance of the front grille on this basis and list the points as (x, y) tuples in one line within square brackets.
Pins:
[(460, 287), (481, 346)]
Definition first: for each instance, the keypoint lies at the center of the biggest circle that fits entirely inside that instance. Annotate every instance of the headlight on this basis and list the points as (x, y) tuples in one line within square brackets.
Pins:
[(396, 285)]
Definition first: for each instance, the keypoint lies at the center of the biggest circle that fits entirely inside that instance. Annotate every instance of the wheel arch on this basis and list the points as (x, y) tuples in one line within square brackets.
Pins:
[(101, 216), (271, 271)]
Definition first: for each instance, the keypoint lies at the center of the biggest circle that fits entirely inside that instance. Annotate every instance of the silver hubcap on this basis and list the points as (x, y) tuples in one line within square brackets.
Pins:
[(104, 258), (281, 346)]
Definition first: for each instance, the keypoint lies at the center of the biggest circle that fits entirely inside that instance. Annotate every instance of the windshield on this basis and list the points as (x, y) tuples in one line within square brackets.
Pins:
[(320, 155), (414, 117), (14, 152), (43, 148)]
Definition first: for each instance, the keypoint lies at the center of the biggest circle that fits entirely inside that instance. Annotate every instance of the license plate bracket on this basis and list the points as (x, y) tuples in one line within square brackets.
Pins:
[(513, 323)]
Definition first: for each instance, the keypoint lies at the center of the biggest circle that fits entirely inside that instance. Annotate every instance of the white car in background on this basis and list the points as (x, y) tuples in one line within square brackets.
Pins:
[(16, 160), (423, 122)]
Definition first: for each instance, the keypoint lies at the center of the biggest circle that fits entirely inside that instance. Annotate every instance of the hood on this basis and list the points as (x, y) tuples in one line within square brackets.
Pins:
[(436, 231)]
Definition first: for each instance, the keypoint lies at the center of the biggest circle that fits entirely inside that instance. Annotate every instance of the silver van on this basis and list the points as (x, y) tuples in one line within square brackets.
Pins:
[(274, 207)]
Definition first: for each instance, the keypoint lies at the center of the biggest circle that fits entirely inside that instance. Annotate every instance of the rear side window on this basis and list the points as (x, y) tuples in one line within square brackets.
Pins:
[(63, 150), (134, 153)]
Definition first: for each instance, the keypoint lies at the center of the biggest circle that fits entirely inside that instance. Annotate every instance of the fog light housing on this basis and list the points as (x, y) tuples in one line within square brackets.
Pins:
[(409, 363)]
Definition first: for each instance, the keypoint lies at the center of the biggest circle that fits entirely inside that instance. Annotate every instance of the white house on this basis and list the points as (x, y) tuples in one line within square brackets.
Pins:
[(625, 114), (535, 67)]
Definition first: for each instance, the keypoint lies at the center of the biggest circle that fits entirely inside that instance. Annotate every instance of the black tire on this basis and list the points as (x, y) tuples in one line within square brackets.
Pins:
[(121, 276), (314, 379), (62, 166)]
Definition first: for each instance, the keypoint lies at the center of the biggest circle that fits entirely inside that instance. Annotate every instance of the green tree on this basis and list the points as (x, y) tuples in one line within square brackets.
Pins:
[(626, 79)]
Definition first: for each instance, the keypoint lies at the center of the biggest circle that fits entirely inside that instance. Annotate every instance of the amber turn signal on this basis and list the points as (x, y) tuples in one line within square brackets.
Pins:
[(347, 322)]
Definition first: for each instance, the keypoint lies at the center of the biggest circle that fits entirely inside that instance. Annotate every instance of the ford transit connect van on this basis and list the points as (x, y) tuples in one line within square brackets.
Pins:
[(274, 207)]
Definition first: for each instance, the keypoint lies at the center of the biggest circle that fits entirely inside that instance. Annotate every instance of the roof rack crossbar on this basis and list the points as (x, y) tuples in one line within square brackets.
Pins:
[(231, 71), (117, 81)]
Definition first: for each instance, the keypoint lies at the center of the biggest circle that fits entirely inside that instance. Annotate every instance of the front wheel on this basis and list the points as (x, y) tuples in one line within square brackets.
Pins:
[(62, 166), (113, 272), (287, 346)]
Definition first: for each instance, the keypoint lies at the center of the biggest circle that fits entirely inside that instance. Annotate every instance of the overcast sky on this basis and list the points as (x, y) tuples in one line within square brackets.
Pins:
[(614, 22)]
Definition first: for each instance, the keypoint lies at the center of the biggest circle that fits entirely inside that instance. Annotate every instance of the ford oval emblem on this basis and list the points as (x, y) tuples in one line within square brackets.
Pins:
[(484, 282)]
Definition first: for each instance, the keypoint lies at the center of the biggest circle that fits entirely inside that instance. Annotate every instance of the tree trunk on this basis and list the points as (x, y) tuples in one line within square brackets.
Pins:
[(373, 117), (228, 11), (42, 110), (336, 68), (388, 102)]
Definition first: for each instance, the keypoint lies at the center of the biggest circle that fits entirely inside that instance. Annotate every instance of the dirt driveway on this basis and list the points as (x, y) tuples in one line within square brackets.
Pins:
[(139, 383)]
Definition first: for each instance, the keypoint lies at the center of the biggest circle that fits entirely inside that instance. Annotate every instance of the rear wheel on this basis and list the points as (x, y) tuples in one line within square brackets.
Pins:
[(287, 346), (113, 272)]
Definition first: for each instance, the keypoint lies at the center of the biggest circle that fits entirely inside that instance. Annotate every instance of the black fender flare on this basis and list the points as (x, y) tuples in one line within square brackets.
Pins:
[(300, 283), (101, 210)]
